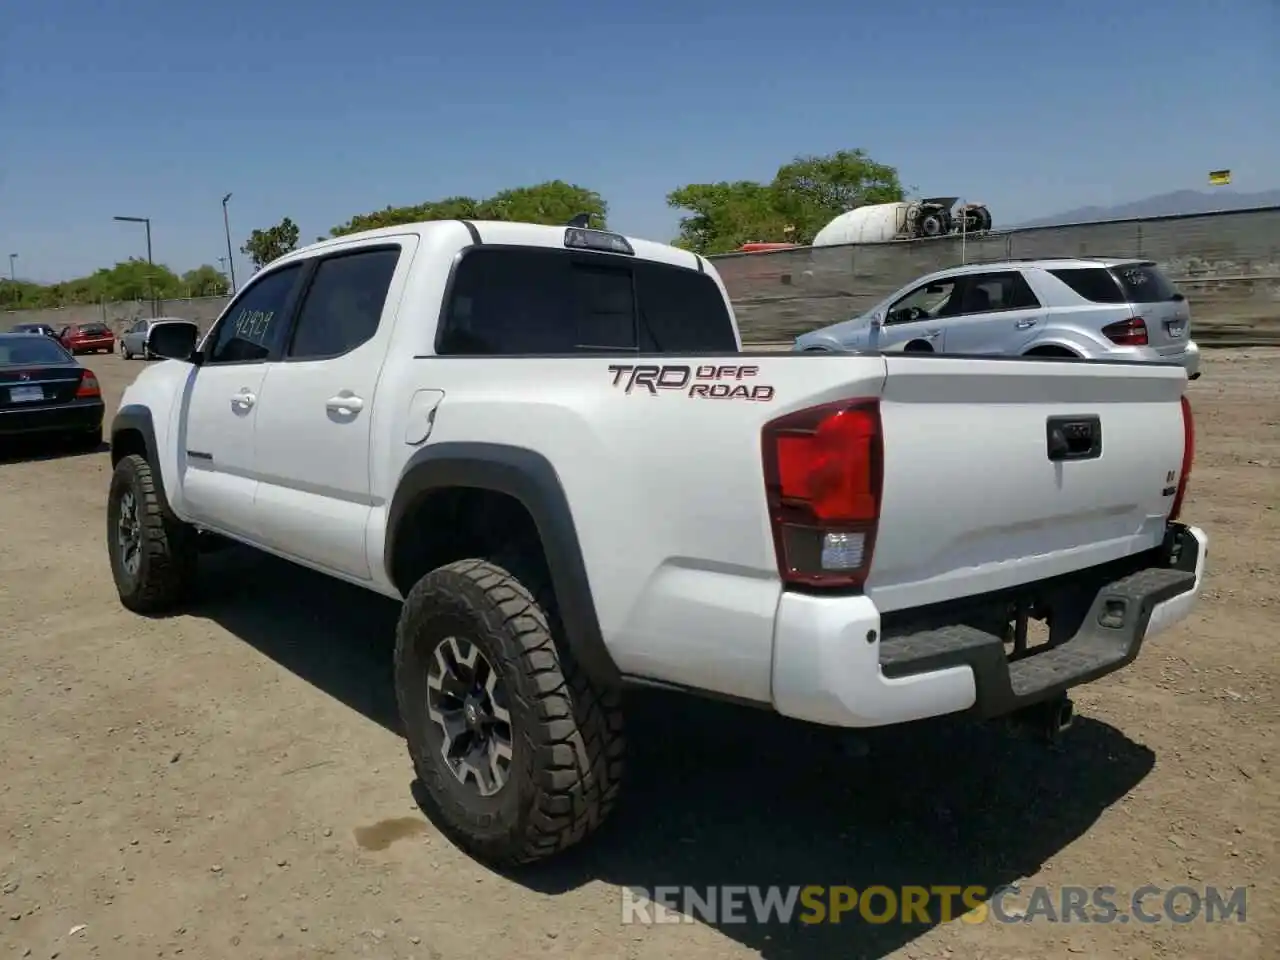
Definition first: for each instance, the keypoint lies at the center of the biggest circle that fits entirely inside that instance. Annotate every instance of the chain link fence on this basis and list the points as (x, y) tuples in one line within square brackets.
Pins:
[(1228, 264)]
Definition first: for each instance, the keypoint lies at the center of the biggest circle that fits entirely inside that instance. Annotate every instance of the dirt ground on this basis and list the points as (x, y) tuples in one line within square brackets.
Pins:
[(231, 783)]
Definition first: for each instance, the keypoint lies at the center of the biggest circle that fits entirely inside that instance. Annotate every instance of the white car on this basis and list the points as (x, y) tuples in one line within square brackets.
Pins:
[(549, 444), (134, 341), (1101, 309)]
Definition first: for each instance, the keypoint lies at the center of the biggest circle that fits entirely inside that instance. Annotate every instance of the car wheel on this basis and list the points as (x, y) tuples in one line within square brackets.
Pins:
[(153, 556), (518, 754), (124, 352)]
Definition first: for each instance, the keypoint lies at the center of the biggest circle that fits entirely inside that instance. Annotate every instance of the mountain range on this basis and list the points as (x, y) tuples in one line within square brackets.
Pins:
[(1163, 205)]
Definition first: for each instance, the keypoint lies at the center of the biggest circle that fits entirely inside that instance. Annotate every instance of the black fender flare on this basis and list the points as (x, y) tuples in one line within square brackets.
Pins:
[(529, 478), (135, 417)]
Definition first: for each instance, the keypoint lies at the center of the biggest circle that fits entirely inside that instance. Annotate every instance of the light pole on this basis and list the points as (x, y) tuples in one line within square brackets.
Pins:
[(150, 265), (231, 260), (13, 277)]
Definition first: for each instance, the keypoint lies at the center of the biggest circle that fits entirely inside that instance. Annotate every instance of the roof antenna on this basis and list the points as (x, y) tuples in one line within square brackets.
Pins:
[(582, 220)]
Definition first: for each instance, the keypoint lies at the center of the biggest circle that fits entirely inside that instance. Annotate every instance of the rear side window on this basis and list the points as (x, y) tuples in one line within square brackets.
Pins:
[(343, 304), (1145, 283), (546, 301), (998, 291), (1092, 283)]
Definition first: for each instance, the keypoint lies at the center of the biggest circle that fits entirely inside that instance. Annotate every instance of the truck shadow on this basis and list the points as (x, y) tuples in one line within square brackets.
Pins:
[(719, 795)]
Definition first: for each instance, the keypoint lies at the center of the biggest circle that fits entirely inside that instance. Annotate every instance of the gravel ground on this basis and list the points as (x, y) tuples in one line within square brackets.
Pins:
[(231, 782)]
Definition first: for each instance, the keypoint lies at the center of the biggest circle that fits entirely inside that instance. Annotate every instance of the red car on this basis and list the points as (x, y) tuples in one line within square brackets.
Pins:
[(88, 338)]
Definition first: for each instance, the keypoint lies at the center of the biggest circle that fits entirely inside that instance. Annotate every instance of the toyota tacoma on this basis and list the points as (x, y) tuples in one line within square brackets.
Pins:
[(550, 445)]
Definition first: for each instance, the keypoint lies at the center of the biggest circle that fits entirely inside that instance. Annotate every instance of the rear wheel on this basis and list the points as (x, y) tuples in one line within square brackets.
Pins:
[(153, 556), (519, 755)]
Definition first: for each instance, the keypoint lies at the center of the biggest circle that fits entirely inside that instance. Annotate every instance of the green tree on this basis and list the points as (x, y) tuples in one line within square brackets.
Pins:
[(264, 246), (205, 281), (553, 202), (803, 196)]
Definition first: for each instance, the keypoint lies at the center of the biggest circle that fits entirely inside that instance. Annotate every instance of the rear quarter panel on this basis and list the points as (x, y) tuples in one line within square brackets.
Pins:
[(666, 490)]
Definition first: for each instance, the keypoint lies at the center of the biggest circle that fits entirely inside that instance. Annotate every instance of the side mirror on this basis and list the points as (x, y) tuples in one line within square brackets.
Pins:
[(174, 341)]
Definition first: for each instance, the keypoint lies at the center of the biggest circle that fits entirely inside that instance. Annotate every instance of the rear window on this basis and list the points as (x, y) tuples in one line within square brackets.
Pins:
[(26, 351), (1145, 283), (544, 301), (94, 329), (1093, 283)]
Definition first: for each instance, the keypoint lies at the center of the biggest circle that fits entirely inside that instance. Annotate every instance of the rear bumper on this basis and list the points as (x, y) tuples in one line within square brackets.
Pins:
[(104, 343), (831, 664), (75, 417)]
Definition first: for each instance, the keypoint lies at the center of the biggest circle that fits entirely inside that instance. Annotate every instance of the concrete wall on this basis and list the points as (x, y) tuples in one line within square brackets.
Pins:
[(120, 314), (1228, 264)]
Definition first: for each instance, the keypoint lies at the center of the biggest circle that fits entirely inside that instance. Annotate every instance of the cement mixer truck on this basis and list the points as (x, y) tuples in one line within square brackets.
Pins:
[(906, 220)]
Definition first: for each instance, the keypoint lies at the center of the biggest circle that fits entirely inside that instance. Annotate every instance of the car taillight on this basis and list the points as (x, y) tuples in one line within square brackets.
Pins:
[(1127, 333), (1188, 457), (88, 386), (823, 469)]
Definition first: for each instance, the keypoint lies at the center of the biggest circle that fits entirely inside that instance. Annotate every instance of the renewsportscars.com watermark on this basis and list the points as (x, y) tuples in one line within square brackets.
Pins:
[(933, 904)]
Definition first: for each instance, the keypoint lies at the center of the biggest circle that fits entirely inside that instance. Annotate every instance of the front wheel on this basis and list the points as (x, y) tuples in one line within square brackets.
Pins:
[(153, 556), (519, 755)]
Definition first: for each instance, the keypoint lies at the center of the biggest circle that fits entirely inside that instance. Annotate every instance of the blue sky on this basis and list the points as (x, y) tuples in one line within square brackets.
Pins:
[(323, 109)]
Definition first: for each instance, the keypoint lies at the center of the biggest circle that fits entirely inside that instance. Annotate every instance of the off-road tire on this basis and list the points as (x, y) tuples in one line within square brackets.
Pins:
[(167, 570), (566, 735)]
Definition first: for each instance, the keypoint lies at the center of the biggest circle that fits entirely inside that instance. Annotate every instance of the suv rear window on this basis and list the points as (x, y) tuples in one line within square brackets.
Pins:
[(1127, 283), (1093, 283), (531, 300), (1145, 283)]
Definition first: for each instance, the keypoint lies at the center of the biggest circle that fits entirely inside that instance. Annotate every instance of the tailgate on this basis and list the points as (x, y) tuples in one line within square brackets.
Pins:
[(973, 500)]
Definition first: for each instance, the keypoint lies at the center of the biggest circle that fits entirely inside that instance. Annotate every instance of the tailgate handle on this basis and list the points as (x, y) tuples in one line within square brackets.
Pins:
[(1073, 438)]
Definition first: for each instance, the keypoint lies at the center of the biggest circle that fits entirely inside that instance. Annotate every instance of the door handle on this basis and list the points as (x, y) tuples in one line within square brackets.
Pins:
[(1027, 322), (244, 399), (347, 404)]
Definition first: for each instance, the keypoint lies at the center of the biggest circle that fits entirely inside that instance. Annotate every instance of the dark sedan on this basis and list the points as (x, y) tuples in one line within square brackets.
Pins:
[(45, 391), (41, 328)]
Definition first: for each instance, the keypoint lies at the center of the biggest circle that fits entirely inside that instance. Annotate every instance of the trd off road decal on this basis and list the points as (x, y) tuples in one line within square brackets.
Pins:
[(708, 382)]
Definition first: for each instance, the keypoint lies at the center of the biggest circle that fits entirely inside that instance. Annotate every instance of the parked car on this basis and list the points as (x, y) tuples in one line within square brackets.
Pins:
[(43, 329), (1101, 309), (88, 338), (45, 390), (134, 341), (550, 445)]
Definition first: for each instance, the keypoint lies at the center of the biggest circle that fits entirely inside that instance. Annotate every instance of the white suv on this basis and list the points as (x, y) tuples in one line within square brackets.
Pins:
[(1063, 307)]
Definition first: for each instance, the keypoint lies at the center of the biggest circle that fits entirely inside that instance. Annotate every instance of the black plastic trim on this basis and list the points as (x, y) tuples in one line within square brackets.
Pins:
[(1094, 650), (532, 480), (471, 229), (135, 417)]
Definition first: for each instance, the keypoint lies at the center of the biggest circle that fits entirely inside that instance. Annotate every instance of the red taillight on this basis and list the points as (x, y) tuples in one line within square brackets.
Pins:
[(1127, 333), (1188, 457), (88, 386), (823, 469)]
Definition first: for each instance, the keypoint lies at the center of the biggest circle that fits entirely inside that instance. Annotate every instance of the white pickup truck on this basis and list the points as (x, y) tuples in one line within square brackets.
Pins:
[(550, 444)]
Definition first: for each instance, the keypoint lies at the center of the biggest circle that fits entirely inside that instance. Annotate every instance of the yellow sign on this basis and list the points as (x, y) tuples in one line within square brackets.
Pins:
[(1219, 178)]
